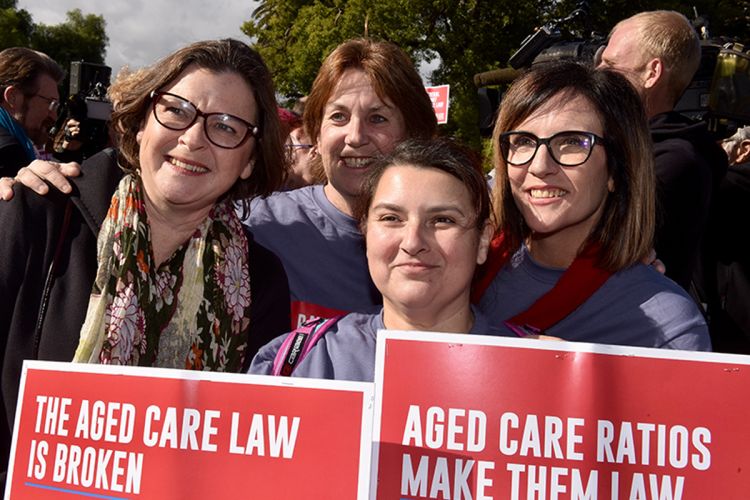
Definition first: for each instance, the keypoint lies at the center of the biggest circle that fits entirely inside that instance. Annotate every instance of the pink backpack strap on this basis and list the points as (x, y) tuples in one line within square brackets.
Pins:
[(299, 342)]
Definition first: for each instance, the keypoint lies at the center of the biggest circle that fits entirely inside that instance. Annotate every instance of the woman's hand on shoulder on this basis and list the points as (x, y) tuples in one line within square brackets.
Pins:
[(652, 260), (36, 173)]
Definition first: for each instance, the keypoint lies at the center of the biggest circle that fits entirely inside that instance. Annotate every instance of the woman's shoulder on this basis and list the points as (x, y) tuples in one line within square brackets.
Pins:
[(641, 288), (640, 280), (645, 295), (305, 211), (350, 332), (345, 351), (282, 207), (93, 189)]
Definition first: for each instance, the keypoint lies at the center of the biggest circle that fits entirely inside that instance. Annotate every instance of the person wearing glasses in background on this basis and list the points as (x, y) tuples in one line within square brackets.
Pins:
[(149, 254), (727, 255), (29, 100), (574, 203), (299, 151)]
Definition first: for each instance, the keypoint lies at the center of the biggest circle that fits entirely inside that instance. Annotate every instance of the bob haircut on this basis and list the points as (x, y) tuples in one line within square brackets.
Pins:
[(391, 74), (442, 154), (626, 228), (131, 105)]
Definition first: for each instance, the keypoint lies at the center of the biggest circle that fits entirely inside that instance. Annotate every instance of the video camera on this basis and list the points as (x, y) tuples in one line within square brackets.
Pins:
[(718, 94), (720, 90), (566, 38), (87, 104)]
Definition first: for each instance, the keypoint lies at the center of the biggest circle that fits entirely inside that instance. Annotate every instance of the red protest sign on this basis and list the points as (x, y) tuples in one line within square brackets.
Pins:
[(440, 97), (117, 432), (489, 418)]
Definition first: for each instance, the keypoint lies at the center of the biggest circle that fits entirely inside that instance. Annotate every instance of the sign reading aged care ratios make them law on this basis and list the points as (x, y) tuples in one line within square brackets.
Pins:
[(463, 416)]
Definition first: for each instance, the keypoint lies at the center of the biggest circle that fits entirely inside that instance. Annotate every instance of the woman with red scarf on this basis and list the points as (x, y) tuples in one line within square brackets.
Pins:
[(575, 208)]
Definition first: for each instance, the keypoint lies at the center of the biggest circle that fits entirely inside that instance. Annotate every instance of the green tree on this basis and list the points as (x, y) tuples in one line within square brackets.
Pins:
[(727, 18), (80, 37), (15, 25), (464, 36)]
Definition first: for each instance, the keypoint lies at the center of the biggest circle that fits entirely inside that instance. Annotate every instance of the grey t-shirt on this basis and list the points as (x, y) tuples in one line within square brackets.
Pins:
[(635, 307), (347, 350), (322, 251)]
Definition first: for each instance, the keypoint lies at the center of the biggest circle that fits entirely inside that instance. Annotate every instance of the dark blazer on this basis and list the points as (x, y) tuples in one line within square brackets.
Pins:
[(689, 166), (12, 154), (41, 318)]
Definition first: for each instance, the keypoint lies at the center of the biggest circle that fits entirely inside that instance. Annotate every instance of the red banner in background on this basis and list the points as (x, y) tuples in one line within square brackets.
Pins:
[(492, 418), (440, 97), (123, 432)]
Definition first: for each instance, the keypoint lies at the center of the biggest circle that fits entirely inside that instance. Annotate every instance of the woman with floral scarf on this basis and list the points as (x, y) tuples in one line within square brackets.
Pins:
[(146, 262)]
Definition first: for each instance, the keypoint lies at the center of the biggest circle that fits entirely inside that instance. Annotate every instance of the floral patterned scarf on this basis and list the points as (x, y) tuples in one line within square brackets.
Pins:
[(192, 312)]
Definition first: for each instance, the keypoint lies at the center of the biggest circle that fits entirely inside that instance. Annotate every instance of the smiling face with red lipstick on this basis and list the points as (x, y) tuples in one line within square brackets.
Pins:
[(184, 170)]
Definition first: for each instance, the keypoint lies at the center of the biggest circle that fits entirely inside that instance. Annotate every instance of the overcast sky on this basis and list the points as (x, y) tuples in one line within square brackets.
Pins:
[(142, 31)]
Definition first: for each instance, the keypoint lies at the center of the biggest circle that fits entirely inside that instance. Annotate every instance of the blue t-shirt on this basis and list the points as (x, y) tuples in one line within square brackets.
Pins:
[(322, 250), (635, 307), (347, 350)]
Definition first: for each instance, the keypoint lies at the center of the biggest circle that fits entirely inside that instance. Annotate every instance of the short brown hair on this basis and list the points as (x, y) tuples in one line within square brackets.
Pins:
[(625, 230), (669, 36), (443, 154), (392, 75), (130, 95), (22, 67)]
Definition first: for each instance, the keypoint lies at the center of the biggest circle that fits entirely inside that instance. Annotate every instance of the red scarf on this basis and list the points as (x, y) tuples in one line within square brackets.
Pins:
[(575, 286)]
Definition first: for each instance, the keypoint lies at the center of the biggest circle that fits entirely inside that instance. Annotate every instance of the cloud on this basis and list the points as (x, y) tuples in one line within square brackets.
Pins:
[(142, 31)]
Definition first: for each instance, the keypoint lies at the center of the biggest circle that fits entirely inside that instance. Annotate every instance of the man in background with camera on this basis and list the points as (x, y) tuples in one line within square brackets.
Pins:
[(29, 100), (729, 255), (659, 52)]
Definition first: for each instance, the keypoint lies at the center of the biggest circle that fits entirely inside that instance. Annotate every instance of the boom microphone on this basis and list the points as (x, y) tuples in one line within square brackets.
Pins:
[(502, 75)]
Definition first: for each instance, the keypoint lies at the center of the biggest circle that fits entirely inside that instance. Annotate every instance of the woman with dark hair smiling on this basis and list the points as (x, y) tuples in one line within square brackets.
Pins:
[(574, 200)]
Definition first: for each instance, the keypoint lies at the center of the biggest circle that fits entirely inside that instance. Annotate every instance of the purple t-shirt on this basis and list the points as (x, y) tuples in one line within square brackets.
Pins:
[(322, 250), (635, 307)]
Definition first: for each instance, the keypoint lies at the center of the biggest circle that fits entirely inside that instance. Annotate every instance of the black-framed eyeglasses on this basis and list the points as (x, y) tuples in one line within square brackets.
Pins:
[(54, 104), (222, 129), (569, 148)]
